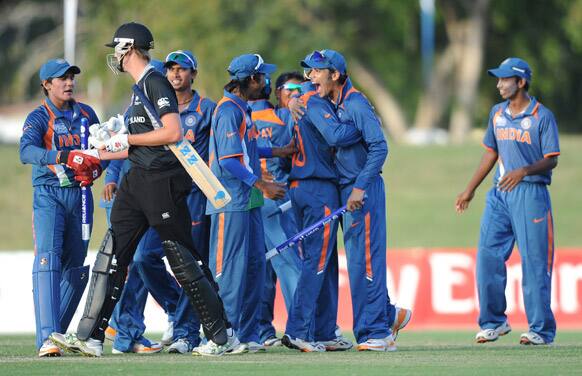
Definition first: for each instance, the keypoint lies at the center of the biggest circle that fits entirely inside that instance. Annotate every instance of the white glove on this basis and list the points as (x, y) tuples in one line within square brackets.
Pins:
[(117, 143), (115, 124), (96, 143)]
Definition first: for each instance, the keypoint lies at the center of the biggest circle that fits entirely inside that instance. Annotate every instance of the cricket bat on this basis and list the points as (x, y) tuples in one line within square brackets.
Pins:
[(85, 191), (190, 160)]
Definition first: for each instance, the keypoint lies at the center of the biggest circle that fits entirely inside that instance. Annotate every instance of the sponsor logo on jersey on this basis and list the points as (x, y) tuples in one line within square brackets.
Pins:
[(166, 215), (163, 102), (136, 119), (60, 128), (538, 220), (230, 134), (526, 123), (190, 120), (136, 100), (500, 121)]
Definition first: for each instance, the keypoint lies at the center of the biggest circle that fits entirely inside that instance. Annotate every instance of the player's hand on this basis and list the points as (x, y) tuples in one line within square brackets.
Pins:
[(87, 177), (79, 160), (285, 151), (108, 193), (117, 143), (511, 180), (273, 191), (297, 108), (356, 199), (463, 200)]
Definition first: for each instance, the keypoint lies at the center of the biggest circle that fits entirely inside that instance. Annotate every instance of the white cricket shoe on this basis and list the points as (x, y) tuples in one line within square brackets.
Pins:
[(531, 338), (340, 343), (490, 335), (145, 347), (255, 347), (49, 349), (70, 343), (181, 346), (212, 349), (272, 342), (301, 345), (168, 336), (378, 344), (401, 319)]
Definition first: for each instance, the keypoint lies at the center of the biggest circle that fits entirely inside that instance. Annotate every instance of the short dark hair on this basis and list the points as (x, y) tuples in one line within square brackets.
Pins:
[(241, 85), (526, 87), (286, 76)]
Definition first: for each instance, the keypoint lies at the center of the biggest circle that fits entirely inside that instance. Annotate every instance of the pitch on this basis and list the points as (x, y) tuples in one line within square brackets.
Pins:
[(419, 352)]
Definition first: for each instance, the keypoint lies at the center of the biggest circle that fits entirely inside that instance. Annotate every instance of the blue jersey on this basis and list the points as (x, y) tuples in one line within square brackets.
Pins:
[(274, 128), (316, 135), (522, 140), (46, 131), (233, 135), (196, 122), (360, 162)]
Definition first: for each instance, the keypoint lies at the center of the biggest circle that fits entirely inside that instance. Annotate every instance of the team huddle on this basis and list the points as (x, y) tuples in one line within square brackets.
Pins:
[(281, 169)]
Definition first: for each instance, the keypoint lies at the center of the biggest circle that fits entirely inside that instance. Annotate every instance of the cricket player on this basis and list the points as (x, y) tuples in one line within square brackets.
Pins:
[(311, 324), (152, 194), (522, 137), (50, 137), (362, 190), (237, 248), (274, 128)]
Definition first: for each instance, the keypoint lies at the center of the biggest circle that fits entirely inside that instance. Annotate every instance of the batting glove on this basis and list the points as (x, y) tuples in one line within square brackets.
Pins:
[(117, 143), (115, 125)]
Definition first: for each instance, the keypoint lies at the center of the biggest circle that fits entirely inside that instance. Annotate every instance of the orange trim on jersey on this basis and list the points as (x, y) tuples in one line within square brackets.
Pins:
[(294, 184), (549, 155), (326, 232), (199, 107), (220, 245), (498, 113), (305, 97), (299, 158), (488, 148), (534, 112), (267, 115), (550, 242), (49, 135), (369, 273), (85, 113), (230, 156)]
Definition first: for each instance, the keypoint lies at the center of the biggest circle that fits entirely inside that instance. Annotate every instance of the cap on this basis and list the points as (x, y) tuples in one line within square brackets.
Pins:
[(244, 66), (135, 33), (57, 68), (512, 67), (183, 58), (325, 59)]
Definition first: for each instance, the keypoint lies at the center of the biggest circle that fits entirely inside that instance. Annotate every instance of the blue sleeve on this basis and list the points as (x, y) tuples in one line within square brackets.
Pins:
[(113, 170), (228, 139), (32, 147), (207, 107), (549, 135), (335, 133), (265, 152), (237, 170), (368, 123), (489, 140)]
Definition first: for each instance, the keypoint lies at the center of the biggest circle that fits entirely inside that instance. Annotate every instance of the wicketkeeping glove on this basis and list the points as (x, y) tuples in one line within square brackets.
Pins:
[(87, 177), (79, 160)]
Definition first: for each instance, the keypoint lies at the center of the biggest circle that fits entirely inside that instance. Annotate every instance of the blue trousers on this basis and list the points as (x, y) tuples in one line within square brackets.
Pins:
[(59, 251), (313, 313), (237, 262), (365, 242), (523, 215), (285, 267)]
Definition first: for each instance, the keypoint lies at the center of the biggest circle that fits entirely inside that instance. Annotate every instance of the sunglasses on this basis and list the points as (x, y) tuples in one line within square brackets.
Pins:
[(180, 56)]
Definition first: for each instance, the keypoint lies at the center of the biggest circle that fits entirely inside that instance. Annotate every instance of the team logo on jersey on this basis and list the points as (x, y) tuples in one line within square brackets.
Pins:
[(190, 120), (526, 123), (500, 121), (60, 128), (136, 100), (163, 102)]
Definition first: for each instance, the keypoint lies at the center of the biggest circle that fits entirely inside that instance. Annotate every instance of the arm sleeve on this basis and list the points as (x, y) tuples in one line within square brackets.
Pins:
[(113, 170), (228, 141), (335, 133), (489, 140), (234, 166), (366, 120), (549, 135), (207, 107), (265, 152), (161, 94), (32, 148)]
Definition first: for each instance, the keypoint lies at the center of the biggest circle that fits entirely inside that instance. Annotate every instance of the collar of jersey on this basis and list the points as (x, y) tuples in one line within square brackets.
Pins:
[(244, 105), (59, 114), (260, 104), (528, 111), (193, 105), (347, 86)]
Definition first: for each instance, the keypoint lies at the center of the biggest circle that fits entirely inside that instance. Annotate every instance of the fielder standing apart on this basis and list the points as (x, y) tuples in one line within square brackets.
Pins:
[(522, 136), (153, 193)]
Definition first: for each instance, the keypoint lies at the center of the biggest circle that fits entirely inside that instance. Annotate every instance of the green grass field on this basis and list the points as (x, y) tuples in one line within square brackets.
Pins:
[(427, 353), (422, 184)]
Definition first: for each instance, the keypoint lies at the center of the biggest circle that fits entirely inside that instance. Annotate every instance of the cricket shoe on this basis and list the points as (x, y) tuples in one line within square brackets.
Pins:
[(181, 346), (250, 347), (378, 344), (70, 343), (401, 319), (168, 336), (144, 346), (531, 338), (212, 349), (490, 335), (272, 342), (49, 349), (340, 343), (301, 345), (110, 333)]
